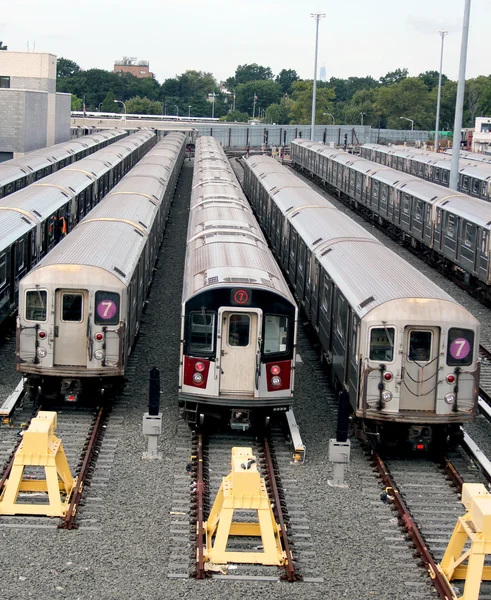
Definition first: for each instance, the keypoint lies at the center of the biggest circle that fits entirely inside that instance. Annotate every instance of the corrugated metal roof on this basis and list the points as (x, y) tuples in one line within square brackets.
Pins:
[(13, 225)]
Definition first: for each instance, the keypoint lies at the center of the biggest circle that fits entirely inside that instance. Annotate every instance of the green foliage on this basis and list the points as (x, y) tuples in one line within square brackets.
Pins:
[(143, 106), (430, 79), (394, 77), (108, 104), (286, 78), (235, 116), (253, 72), (2, 47), (266, 91), (65, 68), (301, 109), (278, 114), (77, 103)]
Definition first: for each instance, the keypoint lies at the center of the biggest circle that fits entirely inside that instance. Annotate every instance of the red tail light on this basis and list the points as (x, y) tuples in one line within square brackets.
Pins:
[(99, 337), (42, 335), (450, 378), (275, 382), (196, 372), (275, 370), (420, 446), (388, 376)]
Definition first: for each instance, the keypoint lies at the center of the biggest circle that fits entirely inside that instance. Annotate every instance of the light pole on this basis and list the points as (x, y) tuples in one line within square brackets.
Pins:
[(411, 120), (234, 101), (189, 111), (330, 115), (177, 111), (459, 106), (254, 106), (317, 16), (165, 109), (213, 106), (124, 106), (99, 107), (362, 115), (443, 33)]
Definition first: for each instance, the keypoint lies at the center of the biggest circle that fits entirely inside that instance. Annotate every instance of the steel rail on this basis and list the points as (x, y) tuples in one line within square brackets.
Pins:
[(289, 566), (69, 520), (439, 582), (200, 493)]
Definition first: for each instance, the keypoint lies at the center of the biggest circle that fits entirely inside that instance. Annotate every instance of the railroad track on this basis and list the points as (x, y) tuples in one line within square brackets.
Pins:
[(196, 484)]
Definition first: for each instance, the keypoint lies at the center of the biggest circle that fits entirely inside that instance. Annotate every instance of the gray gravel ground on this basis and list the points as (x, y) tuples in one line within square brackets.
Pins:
[(127, 558)]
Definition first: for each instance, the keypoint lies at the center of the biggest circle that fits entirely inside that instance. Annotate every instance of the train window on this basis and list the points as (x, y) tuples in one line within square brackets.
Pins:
[(238, 330), (382, 344), (301, 257), (405, 205), (326, 295), (460, 347), (475, 186), (106, 308), (19, 255), (465, 182), (469, 235), (420, 346), (384, 192), (437, 174), (484, 243), (450, 225), (202, 332), (374, 188), (71, 307), (3, 269), (341, 314), (444, 176), (419, 210), (36, 301), (275, 334)]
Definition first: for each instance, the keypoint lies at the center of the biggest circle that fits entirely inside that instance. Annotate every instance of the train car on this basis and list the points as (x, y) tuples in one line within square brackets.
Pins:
[(18, 173), (80, 307), (450, 229), (239, 319), (474, 179), (475, 156), (407, 353), (34, 219)]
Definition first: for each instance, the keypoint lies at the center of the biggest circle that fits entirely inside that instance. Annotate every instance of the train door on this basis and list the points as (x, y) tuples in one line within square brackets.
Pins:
[(420, 368), (239, 348), (71, 314)]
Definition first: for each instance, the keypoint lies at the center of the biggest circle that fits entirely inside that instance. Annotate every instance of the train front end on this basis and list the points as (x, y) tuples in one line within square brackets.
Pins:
[(237, 355)]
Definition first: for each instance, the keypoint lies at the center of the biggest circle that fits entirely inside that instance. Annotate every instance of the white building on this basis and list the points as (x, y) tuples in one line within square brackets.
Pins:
[(481, 142), (34, 115)]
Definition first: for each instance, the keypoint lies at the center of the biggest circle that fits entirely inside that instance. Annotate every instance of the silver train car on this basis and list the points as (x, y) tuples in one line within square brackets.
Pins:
[(34, 219), (80, 307), (450, 229), (407, 353), (239, 319), (474, 179), (18, 173)]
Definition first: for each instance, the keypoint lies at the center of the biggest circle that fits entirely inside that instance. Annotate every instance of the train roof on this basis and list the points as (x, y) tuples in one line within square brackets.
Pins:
[(13, 224)]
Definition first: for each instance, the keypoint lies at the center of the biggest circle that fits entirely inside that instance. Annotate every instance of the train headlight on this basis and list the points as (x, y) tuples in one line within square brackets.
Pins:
[(198, 378), (276, 381), (42, 352), (99, 354), (386, 396), (449, 398)]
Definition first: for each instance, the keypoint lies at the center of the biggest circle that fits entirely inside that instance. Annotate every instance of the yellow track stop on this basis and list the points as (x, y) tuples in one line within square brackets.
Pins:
[(39, 448), (243, 490), (474, 526)]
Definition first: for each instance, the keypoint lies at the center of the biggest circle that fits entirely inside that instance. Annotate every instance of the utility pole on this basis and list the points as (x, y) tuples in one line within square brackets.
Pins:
[(442, 33), (317, 16), (459, 105), (254, 106)]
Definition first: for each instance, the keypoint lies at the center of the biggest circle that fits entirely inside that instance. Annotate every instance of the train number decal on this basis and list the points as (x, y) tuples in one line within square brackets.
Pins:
[(241, 297), (106, 309), (460, 348)]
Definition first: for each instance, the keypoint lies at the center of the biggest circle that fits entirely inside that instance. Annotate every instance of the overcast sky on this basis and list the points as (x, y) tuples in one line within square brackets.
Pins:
[(357, 37)]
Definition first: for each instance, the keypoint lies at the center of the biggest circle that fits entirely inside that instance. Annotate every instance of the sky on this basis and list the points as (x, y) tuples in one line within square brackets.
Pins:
[(356, 37)]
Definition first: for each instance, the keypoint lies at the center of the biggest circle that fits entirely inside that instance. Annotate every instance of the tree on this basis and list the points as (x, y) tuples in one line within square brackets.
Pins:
[(143, 106), (267, 92), (235, 116), (285, 79), (277, 114), (478, 96), (301, 108), (248, 73), (394, 77), (108, 105), (430, 79), (76, 103), (66, 68), (2, 47)]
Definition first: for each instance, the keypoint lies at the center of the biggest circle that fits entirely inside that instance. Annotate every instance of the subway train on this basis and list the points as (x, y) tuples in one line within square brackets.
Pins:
[(466, 155), (449, 229), (239, 319), (18, 173), (80, 307), (407, 353), (34, 219), (474, 179)]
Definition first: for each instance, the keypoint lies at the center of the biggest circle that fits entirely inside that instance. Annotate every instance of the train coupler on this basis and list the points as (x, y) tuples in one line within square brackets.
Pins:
[(40, 447), (243, 490), (240, 420)]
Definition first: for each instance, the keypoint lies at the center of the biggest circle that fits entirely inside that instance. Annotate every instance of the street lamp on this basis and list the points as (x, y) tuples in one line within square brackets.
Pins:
[(330, 115), (443, 33), (165, 109), (411, 120), (189, 111), (254, 106), (177, 111), (124, 106), (362, 115), (99, 107), (317, 16), (213, 106)]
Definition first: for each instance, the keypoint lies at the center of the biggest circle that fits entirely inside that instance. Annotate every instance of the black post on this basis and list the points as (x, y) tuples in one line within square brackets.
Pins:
[(154, 392), (343, 416)]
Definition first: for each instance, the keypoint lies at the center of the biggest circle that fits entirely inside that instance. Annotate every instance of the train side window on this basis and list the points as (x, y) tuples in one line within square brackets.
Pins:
[(19, 256), (419, 210), (420, 346), (106, 308), (460, 348), (465, 182), (484, 243), (475, 186), (382, 344), (36, 301), (72, 307), (326, 295), (450, 225), (375, 187), (275, 334), (239, 326), (469, 235), (301, 257), (437, 174), (3, 269), (202, 332), (444, 176), (341, 314), (405, 205), (384, 192)]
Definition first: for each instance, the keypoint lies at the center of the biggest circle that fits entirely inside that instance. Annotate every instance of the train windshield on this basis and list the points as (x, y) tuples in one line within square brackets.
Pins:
[(275, 334), (239, 330), (382, 344), (420, 346), (36, 305), (460, 347), (202, 332)]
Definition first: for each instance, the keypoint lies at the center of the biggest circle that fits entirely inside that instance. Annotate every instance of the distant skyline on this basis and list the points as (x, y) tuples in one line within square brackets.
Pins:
[(357, 38)]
